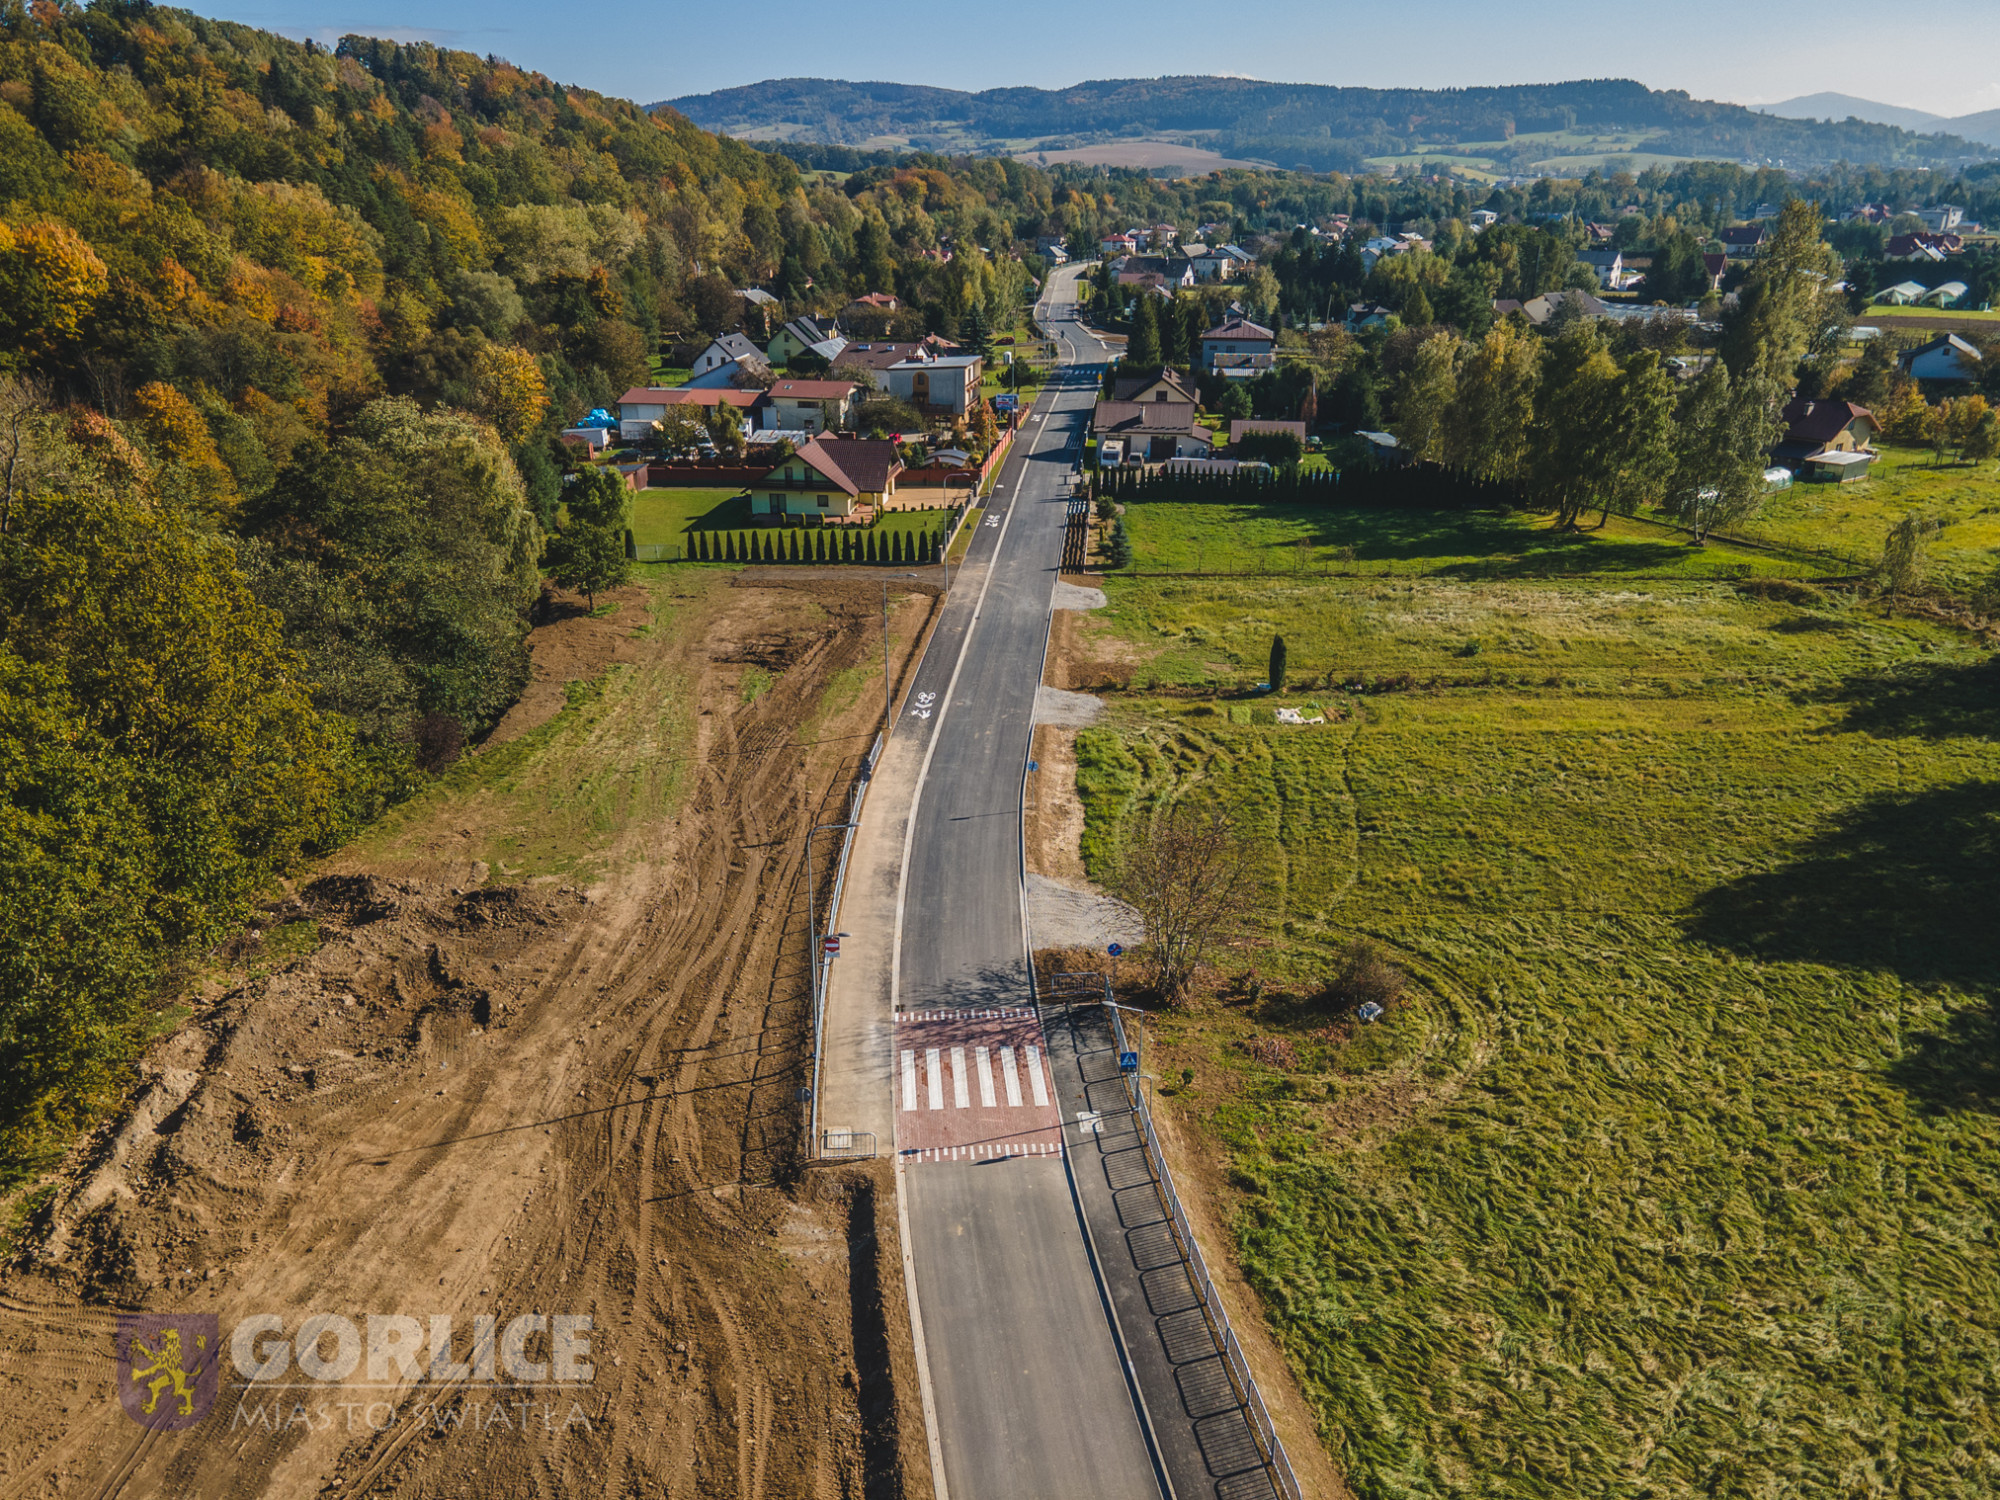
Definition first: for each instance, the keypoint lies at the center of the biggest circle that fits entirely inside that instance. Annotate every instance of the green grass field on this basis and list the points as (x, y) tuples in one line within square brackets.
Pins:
[(1946, 315), (1855, 518), (1290, 538), (1677, 1172)]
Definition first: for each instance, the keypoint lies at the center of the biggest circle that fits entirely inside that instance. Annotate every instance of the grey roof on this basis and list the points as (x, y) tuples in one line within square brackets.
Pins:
[(736, 346)]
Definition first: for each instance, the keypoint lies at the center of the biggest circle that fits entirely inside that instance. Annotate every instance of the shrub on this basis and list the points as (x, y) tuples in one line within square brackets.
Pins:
[(1362, 973), (1272, 1051)]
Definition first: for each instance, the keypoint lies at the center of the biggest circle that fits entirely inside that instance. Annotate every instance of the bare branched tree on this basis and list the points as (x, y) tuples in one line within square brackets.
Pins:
[(1194, 883), (21, 401)]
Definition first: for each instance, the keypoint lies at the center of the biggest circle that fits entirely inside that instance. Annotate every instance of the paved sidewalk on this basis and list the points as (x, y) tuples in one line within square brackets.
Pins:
[(1202, 1431)]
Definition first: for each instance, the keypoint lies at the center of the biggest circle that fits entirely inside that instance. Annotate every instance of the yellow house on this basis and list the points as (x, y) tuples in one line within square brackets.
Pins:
[(851, 479)]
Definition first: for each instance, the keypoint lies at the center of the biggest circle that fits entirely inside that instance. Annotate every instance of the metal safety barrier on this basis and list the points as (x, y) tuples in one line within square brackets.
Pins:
[(847, 1145), (1270, 1448), (822, 962)]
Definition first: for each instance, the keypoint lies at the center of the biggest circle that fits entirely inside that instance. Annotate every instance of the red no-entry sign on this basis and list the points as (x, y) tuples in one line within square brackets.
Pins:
[(832, 946)]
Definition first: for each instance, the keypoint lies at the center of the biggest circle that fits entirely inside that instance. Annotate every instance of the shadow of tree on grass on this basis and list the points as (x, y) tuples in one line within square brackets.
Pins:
[(1904, 884), (1927, 699)]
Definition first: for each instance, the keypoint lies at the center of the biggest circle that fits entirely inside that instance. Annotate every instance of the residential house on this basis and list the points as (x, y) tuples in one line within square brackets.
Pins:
[(1152, 431), (1826, 440), (726, 357), (814, 405), (1117, 244), (1610, 268), (1923, 245), (798, 336), (941, 383), (874, 358), (1243, 427), (1942, 218), (644, 405), (1167, 385), (1238, 349), (829, 480), (1052, 246), (1362, 315), (1538, 310), (1946, 357), (1222, 263), (1162, 236), (871, 302), (1482, 218), (758, 297), (1717, 266), (1740, 240), (1156, 270)]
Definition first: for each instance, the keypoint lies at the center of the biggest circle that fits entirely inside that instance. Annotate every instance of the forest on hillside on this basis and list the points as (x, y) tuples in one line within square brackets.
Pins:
[(1312, 127), (285, 335)]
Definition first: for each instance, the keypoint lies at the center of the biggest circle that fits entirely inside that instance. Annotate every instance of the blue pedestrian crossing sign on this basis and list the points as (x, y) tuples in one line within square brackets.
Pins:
[(1128, 1062)]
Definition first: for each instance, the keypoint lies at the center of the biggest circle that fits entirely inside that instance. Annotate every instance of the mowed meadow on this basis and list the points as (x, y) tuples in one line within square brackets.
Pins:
[(1676, 1171)]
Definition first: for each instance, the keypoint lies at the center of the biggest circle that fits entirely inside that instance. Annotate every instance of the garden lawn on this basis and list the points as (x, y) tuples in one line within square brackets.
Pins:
[(664, 516), (1678, 1173), (1227, 538)]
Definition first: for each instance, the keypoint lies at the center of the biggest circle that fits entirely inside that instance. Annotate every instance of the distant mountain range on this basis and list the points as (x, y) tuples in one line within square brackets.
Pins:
[(1321, 128), (1983, 127)]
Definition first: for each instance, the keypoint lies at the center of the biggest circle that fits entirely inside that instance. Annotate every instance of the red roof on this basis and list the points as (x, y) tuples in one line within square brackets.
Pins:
[(676, 395), (812, 390)]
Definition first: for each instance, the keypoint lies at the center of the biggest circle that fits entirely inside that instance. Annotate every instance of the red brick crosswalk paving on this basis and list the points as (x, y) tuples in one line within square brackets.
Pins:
[(973, 1085)]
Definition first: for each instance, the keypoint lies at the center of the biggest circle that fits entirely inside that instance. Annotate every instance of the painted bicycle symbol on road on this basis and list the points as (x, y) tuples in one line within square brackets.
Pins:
[(924, 704)]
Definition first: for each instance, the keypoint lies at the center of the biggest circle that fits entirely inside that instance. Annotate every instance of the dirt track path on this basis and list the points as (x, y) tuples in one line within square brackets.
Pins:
[(567, 1095)]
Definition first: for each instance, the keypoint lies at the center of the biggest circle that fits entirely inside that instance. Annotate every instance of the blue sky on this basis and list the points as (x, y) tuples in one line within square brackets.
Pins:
[(1944, 58)]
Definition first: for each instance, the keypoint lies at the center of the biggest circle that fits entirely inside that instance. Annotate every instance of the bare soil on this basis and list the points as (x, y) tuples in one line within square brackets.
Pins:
[(558, 1093)]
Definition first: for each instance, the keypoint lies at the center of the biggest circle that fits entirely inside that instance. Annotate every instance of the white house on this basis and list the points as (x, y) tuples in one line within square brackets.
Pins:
[(938, 382), (1946, 357), (1223, 263), (724, 358), (1237, 349)]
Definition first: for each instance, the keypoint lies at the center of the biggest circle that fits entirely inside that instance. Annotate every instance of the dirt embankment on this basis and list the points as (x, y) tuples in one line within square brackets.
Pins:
[(571, 1094)]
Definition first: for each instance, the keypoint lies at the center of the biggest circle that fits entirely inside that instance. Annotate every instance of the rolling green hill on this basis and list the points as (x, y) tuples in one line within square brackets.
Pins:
[(1309, 126)]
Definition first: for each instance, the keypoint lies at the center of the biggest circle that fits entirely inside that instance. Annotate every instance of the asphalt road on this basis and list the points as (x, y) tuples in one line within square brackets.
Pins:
[(1031, 1396)]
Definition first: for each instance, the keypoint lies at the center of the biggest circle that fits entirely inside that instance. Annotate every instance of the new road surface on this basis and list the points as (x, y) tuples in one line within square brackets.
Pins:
[(1049, 1375)]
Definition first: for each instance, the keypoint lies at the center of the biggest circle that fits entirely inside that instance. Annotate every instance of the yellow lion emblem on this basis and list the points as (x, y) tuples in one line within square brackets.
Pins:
[(166, 1372)]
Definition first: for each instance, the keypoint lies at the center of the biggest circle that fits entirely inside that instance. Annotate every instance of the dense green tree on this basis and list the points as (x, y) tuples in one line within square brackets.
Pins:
[(589, 552), (1142, 350), (1723, 431)]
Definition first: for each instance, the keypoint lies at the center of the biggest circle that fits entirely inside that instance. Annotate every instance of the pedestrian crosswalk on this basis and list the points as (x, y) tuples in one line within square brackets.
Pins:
[(973, 1085)]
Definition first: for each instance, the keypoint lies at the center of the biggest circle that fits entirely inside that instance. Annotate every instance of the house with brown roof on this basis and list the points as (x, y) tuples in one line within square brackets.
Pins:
[(1923, 246), (1238, 348), (1826, 440), (1166, 385), (1741, 239), (814, 405), (643, 405), (871, 302), (1153, 431), (829, 481)]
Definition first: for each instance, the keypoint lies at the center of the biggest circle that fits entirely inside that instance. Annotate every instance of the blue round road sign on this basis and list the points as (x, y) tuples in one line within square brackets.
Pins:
[(1115, 949)]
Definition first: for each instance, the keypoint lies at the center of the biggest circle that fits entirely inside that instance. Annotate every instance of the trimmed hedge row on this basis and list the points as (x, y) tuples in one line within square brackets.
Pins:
[(821, 544)]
